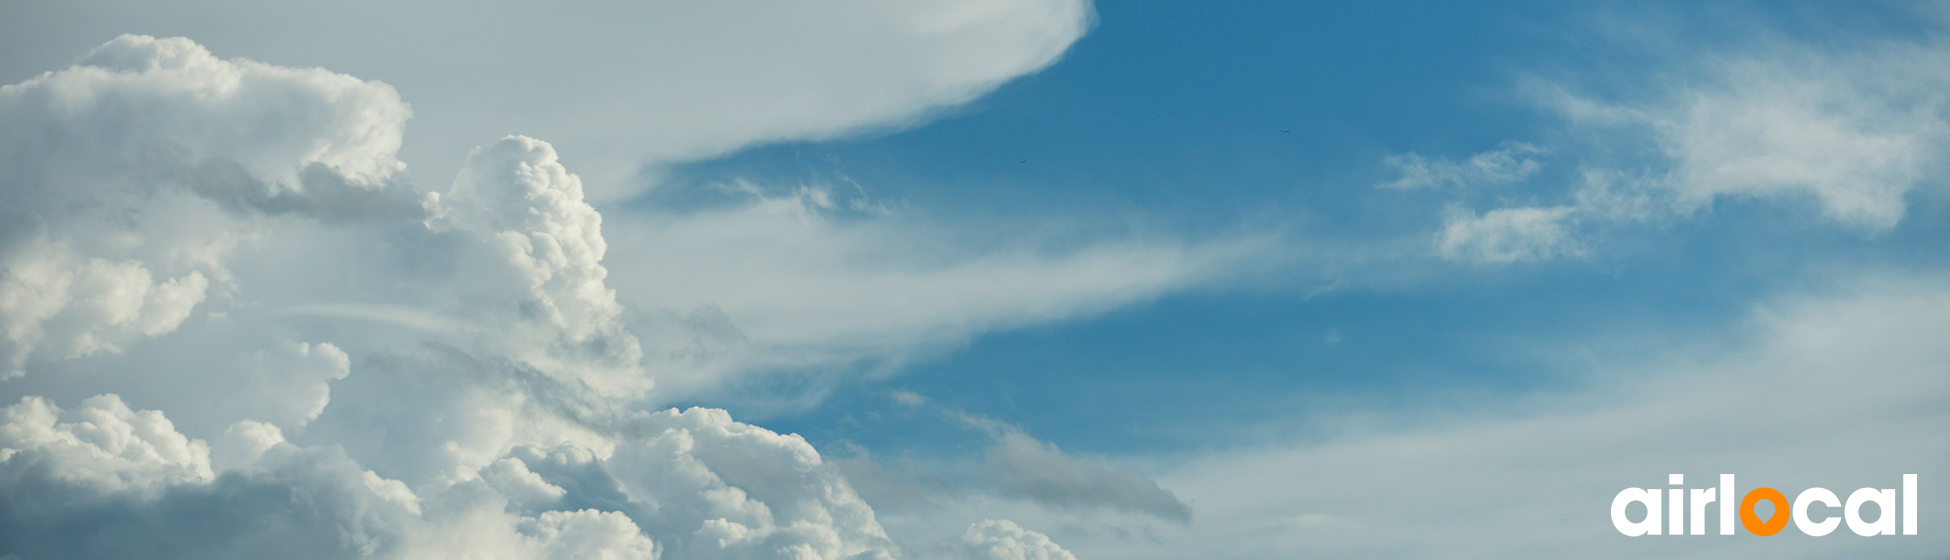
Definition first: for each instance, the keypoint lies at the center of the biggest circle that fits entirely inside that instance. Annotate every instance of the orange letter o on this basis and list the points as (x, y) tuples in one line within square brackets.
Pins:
[(1774, 523)]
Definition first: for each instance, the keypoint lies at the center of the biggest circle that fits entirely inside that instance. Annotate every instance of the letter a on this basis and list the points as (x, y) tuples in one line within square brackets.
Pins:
[(1650, 525), (1885, 523)]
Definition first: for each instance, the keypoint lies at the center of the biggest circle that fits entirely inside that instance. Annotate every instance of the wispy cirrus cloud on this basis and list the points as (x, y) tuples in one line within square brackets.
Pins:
[(1844, 132), (1510, 163), (800, 281)]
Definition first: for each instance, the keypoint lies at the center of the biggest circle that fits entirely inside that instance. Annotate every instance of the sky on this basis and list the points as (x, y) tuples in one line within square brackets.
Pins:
[(964, 279)]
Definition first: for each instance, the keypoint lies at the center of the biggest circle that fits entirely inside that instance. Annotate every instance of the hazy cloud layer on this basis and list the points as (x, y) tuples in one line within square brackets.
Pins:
[(800, 283)]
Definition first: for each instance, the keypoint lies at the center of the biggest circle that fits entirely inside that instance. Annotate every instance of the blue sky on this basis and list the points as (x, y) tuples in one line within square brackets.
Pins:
[(962, 279), (1172, 116)]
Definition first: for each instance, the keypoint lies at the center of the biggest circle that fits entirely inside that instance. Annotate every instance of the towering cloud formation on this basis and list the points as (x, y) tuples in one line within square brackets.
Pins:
[(233, 330)]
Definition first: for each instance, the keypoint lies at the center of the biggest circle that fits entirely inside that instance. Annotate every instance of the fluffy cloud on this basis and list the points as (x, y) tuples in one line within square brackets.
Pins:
[(544, 245), (105, 480), (1003, 540), (101, 445), (763, 494), (122, 162), (137, 103), (115, 483), (61, 305)]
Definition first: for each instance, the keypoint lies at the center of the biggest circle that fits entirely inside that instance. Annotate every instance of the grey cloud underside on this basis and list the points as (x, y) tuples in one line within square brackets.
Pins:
[(1024, 468), (326, 195), (232, 329), (304, 510)]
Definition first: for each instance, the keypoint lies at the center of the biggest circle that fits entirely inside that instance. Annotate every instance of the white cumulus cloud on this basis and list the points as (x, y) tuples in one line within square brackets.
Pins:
[(1004, 540), (102, 445)]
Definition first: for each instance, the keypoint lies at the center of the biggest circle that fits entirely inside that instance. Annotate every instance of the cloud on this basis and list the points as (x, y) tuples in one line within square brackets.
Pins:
[(1507, 235), (1004, 540), (102, 445), (61, 305), (953, 507), (1024, 468), (617, 85), (545, 245), (304, 372), (103, 480), (799, 281), (158, 499), (141, 100), (117, 162), (762, 494), (1504, 165), (1849, 132), (693, 484)]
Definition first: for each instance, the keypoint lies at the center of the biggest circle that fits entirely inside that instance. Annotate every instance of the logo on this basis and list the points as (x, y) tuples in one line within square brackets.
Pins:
[(1684, 510)]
